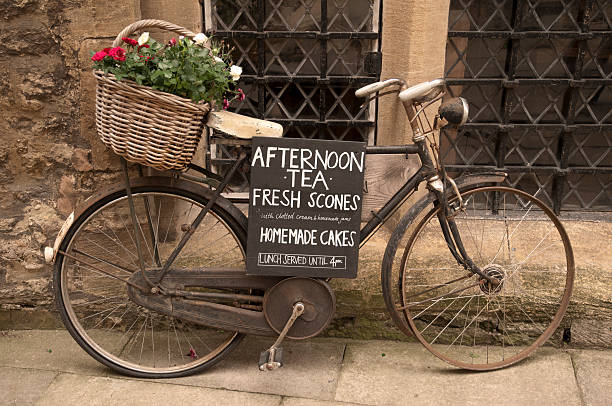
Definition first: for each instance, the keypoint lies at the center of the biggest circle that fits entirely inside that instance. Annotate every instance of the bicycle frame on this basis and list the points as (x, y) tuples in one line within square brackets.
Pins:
[(427, 172), (222, 295)]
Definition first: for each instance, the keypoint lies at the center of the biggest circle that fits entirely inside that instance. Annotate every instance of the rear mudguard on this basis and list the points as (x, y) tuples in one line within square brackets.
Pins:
[(464, 183), (119, 187)]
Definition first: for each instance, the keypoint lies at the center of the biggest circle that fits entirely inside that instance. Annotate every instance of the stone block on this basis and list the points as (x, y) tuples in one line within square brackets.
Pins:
[(186, 13), (16, 8), (388, 373), (28, 36), (85, 49), (80, 160), (67, 195), (315, 364), (79, 17), (23, 386), (594, 375), (110, 16), (42, 319), (78, 389), (101, 157), (414, 43)]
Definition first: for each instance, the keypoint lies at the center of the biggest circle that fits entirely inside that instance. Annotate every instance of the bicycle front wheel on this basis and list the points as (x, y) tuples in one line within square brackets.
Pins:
[(101, 255), (461, 317)]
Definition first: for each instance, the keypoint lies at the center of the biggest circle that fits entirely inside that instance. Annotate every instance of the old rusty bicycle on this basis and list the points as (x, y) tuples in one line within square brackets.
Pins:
[(150, 275)]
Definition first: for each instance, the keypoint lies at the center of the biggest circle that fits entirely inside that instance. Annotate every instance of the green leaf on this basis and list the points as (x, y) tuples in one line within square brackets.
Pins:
[(185, 69)]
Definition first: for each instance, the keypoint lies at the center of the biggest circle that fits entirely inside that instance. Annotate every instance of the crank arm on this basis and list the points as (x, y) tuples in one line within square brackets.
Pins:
[(274, 354)]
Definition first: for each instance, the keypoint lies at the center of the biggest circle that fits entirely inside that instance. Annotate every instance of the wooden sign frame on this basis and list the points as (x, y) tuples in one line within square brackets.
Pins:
[(305, 207)]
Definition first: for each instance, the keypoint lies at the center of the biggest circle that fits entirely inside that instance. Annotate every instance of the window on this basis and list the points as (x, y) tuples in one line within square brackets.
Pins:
[(538, 76), (302, 61)]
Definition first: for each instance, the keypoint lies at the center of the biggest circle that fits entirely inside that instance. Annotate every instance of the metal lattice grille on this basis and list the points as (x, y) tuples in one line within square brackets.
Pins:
[(302, 61), (538, 76)]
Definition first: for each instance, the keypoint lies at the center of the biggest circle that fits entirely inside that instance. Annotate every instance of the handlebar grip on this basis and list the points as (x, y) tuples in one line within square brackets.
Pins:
[(420, 90), (375, 87)]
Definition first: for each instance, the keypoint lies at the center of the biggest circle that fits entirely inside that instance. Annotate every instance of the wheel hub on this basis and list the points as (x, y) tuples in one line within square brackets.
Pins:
[(495, 272)]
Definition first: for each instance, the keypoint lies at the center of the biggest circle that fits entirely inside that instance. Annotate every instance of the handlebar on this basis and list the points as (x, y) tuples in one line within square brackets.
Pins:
[(416, 99), (420, 93), (423, 91), (377, 86)]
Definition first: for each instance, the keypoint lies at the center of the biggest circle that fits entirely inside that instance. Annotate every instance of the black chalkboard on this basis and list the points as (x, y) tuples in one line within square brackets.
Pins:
[(305, 207)]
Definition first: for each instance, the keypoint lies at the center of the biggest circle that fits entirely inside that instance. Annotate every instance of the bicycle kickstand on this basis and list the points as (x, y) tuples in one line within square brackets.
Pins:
[(272, 358)]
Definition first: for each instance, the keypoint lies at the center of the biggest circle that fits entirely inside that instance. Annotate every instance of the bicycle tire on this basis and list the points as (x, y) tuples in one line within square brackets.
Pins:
[(77, 286), (431, 296)]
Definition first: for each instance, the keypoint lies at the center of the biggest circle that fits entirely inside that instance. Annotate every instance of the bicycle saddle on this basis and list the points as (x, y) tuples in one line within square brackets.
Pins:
[(239, 126)]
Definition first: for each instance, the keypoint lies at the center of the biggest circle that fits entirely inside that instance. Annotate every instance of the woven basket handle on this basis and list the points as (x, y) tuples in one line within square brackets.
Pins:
[(139, 25)]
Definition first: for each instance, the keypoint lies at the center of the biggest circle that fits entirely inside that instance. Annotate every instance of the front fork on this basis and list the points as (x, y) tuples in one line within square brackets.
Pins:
[(437, 186), (446, 217)]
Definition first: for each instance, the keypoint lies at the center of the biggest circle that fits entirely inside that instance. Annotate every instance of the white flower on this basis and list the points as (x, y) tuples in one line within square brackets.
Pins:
[(235, 71), (218, 60), (143, 39), (181, 37), (200, 38)]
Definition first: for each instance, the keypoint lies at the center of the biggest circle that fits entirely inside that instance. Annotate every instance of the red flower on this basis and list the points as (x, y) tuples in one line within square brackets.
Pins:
[(129, 41), (225, 104), (172, 42), (98, 56), (117, 54), (107, 50), (143, 46), (241, 95)]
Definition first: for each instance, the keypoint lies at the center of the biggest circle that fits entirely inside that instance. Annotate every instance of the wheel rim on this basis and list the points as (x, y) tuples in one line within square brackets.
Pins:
[(464, 320), (97, 305)]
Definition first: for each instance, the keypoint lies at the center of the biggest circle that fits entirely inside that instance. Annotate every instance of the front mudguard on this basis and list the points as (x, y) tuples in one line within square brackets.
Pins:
[(464, 183)]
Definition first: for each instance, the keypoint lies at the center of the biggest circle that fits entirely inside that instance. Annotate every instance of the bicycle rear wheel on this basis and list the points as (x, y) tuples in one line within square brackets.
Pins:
[(101, 255), (464, 319)]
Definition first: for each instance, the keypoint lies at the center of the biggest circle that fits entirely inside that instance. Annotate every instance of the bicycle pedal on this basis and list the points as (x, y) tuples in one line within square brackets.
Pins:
[(271, 359)]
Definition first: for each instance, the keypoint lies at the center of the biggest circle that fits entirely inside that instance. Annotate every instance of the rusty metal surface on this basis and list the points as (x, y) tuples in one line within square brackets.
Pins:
[(205, 313), (217, 278), (161, 181), (319, 306)]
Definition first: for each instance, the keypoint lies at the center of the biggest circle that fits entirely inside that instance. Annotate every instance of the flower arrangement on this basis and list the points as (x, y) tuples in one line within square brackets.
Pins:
[(198, 69)]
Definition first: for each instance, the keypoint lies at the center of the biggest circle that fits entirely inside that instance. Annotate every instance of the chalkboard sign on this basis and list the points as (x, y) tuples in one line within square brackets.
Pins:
[(305, 207)]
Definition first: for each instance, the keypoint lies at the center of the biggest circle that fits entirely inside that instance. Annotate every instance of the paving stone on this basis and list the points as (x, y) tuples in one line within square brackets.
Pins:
[(594, 375), (53, 350), (407, 373), (313, 402), (310, 370), (23, 386), (311, 367), (70, 389)]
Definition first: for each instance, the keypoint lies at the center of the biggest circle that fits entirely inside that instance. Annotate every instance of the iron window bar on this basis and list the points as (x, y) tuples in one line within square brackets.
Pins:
[(502, 86), (257, 29)]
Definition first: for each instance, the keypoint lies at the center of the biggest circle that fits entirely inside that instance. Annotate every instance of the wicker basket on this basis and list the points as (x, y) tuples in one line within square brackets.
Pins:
[(144, 125)]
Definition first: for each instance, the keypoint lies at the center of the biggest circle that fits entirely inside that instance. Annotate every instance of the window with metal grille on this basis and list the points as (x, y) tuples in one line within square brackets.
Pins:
[(302, 61), (538, 76)]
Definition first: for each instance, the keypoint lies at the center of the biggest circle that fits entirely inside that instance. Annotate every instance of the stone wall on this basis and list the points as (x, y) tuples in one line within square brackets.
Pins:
[(50, 156)]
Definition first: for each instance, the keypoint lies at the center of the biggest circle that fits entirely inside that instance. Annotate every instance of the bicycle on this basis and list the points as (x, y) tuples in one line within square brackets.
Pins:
[(150, 273)]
